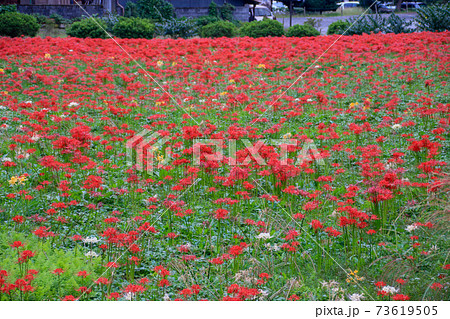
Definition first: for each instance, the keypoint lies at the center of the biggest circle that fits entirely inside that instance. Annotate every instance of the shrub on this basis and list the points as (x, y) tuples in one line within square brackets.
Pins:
[(338, 27), (433, 18), (205, 20), (41, 19), (376, 24), (177, 28), (158, 10), (57, 18), (218, 29), (8, 8), (300, 31), (134, 28), (264, 28), (213, 10), (130, 10), (14, 24), (226, 12), (88, 28)]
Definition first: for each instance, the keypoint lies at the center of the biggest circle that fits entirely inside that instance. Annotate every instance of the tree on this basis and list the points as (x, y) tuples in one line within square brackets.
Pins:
[(320, 5), (155, 9)]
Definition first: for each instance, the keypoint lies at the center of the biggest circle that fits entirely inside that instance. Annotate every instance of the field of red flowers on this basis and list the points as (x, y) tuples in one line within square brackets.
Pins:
[(363, 215)]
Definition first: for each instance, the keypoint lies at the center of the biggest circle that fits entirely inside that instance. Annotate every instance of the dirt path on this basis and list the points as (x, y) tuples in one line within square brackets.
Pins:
[(326, 21)]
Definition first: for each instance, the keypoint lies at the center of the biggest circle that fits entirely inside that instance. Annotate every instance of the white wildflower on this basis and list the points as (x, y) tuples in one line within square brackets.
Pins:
[(166, 297), (129, 296), (91, 240), (264, 236), (72, 104), (396, 127), (390, 290), (410, 228), (91, 254), (356, 297)]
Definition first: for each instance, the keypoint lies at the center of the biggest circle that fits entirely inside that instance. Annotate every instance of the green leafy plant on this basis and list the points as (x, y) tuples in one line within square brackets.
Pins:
[(264, 28), (130, 10), (213, 10), (8, 8), (41, 19), (205, 20), (177, 28), (46, 259), (300, 31), (133, 28), (226, 12), (158, 10), (378, 23), (14, 24), (218, 29), (57, 18), (88, 28), (433, 18), (338, 27)]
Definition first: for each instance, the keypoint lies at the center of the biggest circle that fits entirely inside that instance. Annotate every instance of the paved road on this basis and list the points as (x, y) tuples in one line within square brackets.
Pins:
[(326, 21)]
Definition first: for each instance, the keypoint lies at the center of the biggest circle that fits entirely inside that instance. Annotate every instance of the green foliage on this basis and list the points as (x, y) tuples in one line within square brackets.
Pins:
[(8, 8), (205, 20), (320, 5), (177, 28), (130, 10), (300, 31), (315, 23), (264, 28), (134, 28), (433, 18), (338, 27), (226, 12), (41, 19), (88, 28), (378, 23), (57, 18), (218, 29), (158, 10), (14, 24), (213, 10), (46, 259)]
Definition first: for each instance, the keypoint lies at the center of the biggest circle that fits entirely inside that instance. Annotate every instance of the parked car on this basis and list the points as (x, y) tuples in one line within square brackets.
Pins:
[(382, 8), (412, 5), (346, 5), (262, 12)]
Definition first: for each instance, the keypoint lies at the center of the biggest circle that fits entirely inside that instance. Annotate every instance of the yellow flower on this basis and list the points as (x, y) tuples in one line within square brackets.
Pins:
[(159, 64), (261, 66), (2, 71), (223, 93), (287, 135), (13, 180), (352, 105), (22, 179), (174, 63), (232, 81), (160, 158), (47, 56)]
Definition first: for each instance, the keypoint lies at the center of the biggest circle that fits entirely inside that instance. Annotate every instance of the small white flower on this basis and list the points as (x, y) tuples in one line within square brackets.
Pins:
[(410, 228), (91, 254), (72, 104), (91, 240), (264, 236), (396, 127), (390, 290), (166, 297), (356, 297), (309, 100), (6, 159), (128, 296)]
